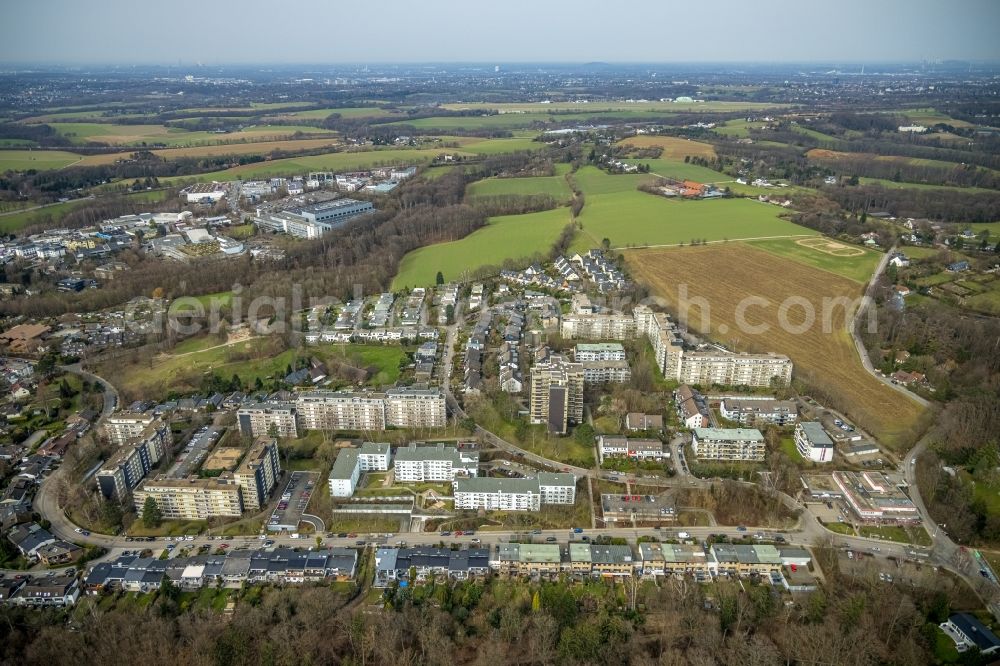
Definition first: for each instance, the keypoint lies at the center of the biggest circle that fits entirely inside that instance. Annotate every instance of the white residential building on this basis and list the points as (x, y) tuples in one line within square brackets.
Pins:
[(812, 442), (434, 463), (737, 444)]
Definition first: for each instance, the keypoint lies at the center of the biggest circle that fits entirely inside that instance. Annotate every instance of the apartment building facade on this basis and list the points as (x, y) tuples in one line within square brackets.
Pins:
[(434, 463), (597, 327), (130, 464), (192, 498), (736, 444), (403, 407), (756, 411), (272, 418), (120, 428), (258, 474), (557, 393)]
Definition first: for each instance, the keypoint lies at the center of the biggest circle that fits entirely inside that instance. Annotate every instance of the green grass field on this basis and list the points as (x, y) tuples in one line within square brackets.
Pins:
[(174, 137), (342, 161), (352, 112), (893, 185), (555, 186), (507, 237), (737, 128), (40, 160), (497, 146), (597, 107), (592, 180), (16, 221), (858, 268), (639, 219), (681, 171)]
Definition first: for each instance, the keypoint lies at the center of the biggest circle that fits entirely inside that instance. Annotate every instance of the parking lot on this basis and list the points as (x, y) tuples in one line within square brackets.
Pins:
[(195, 452), (293, 502)]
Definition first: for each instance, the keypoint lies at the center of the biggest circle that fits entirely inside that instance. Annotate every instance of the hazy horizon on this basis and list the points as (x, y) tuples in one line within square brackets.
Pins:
[(259, 33)]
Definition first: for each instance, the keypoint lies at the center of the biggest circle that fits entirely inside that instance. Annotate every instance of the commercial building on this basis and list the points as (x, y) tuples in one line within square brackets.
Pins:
[(269, 418), (876, 498), (737, 444), (333, 213), (205, 192), (258, 473), (752, 411), (597, 327), (601, 351), (812, 442), (132, 462), (638, 509), (125, 426), (557, 393), (350, 463), (434, 463), (192, 498)]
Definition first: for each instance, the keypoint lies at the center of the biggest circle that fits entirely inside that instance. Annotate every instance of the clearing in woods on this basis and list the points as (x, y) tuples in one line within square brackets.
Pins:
[(723, 276), (674, 148)]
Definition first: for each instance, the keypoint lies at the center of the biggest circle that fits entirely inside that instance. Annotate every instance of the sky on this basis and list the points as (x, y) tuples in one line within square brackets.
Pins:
[(504, 31)]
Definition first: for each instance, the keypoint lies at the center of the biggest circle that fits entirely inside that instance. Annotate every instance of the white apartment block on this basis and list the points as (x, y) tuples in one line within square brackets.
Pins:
[(597, 327), (120, 428), (350, 463), (601, 372), (434, 463), (269, 418), (133, 461), (617, 446), (812, 442), (497, 494), (492, 494), (415, 408), (192, 498), (600, 351), (340, 410), (739, 444), (752, 410)]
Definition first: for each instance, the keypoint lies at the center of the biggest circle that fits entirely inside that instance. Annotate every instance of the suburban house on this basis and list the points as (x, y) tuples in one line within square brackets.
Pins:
[(968, 632)]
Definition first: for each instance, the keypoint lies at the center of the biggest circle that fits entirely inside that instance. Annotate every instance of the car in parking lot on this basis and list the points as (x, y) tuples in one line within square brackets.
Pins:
[(342, 535), (550, 539)]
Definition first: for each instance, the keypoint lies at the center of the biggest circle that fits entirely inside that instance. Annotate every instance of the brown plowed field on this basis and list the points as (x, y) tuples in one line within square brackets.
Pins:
[(824, 355)]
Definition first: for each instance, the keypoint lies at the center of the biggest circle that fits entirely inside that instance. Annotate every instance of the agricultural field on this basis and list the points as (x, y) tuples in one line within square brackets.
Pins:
[(617, 211), (351, 112), (825, 359), (556, 186), (931, 117), (111, 134), (596, 107), (850, 261), (40, 160), (833, 157), (674, 148), (256, 148), (894, 185), (497, 146), (678, 170), (505, 238), (738, 129)]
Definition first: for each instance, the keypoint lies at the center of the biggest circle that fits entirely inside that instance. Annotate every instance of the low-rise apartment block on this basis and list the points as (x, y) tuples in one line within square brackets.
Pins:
[(599, 351), (602, 372), (350, 463), (618, 446), (514, 494), (403, 407), (737, 444), (434, 463), (812, 442), (752, 411)]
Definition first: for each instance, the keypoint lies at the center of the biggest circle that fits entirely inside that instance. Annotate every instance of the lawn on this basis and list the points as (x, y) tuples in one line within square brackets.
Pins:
[(722, 277), (790, 450), (508, 237), (886, 532), (556, 186), (674, 148), (40, 160), (679, 170), (634, 218), (858, 268), (592, 180), (497, 146), (335, 161), (840, 528), (14, 222)]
